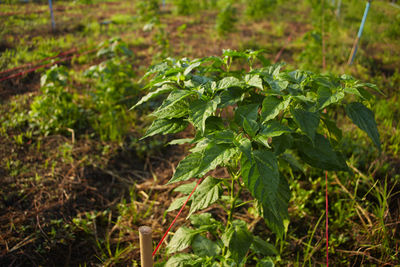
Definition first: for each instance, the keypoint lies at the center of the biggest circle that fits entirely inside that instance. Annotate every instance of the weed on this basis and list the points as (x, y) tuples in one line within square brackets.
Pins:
[(108, 102), (56, 109)]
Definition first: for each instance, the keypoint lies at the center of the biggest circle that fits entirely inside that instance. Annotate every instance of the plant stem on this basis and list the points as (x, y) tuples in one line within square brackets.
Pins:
[(234, 198)]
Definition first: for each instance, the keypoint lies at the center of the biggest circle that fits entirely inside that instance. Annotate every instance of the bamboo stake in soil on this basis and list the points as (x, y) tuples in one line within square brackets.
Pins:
[(146, 247)]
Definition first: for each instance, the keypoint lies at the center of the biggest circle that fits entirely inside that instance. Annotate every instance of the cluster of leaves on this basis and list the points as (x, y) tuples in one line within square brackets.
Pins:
[(252, 122), (57, 109), (108, 101), (147, 10), (211, 240)]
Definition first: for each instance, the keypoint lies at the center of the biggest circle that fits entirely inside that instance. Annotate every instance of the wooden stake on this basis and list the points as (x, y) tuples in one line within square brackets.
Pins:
[(146, 247)]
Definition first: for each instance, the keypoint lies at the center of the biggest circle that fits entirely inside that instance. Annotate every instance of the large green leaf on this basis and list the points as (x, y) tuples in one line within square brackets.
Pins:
[(261, 177), (281, 143), (202, 219), (307, 121), (191, 67), (244, 146), (187, 168), (254, 80), (213, 124), (370, 85), (162, 90), (185, 188), (251, 127), (277, 86), (200, 110), (249, 112), (228, 82), (174, 106), (231, 96), (177, 203), (214, 155), (203, 246), (206, 194), (263, 247), (222, 137), (182, 239), (320, 154), (325, 97), (275, 216), (183, 260), (272, 106), (273, 128), (363, 117), (176, 110), (334, 131), (238, 240), (204, 159), (166, 126)]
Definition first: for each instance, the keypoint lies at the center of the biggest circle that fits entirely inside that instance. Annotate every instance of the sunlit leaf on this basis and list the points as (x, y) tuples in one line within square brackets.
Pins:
[(166, 126), (363, 117), (206, 194), (205, 247), (272, 106)]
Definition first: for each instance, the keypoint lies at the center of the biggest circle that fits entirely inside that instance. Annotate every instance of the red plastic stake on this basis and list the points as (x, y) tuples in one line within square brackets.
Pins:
[(326, 219)]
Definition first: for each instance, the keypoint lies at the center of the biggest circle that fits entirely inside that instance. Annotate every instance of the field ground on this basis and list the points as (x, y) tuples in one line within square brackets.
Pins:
[(76, 195)]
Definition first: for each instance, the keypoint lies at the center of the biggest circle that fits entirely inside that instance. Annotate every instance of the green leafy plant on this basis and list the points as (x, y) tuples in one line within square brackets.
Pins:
[(56, 109), (147, 9), (249, 122), (108, 102)]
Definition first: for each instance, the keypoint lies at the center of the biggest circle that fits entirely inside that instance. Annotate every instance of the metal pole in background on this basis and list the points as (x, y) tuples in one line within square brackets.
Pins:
[(53, 23), (355, 45)]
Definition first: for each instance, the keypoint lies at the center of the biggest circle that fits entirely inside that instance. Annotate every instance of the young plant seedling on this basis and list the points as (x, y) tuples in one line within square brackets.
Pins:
[(249, 122)]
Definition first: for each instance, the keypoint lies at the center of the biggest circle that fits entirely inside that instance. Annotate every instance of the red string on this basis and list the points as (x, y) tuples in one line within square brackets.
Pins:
[(326, 218), (44, 66), (173, 222), (40, 61)]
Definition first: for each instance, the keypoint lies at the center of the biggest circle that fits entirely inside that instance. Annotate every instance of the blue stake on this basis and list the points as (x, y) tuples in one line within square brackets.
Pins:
[(338, 8), (53, 23), (163, 3), (354, 50)]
